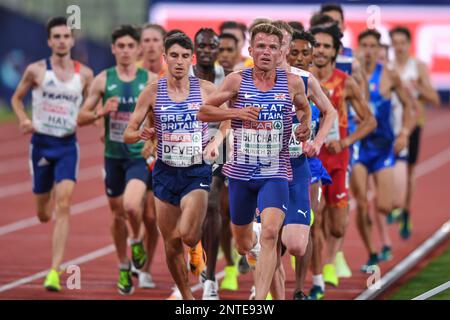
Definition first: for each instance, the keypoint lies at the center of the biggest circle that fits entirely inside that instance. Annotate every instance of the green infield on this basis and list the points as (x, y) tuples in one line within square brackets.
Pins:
[(437, 272)]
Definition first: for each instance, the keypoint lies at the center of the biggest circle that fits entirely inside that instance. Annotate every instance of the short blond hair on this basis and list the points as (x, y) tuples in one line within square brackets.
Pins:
[(267, 29), (258, 21), (282, 25)]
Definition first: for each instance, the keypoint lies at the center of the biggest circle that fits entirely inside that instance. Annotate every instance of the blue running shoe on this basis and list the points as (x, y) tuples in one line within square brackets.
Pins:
[(316, 293)]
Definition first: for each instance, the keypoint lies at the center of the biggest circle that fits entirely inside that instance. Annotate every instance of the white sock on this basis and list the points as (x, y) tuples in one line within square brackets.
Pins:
[(318, 281), (124, 266), (134, 241)]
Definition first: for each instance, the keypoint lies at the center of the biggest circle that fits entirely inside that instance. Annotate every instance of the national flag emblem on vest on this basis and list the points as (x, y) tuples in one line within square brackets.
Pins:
[(279, 96), (193, 106)]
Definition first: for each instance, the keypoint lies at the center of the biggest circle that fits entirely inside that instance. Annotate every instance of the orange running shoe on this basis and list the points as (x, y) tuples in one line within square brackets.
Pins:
[(197, 259)]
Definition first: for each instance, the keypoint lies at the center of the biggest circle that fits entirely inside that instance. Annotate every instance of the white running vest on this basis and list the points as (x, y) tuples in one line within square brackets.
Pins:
[(56, 104)]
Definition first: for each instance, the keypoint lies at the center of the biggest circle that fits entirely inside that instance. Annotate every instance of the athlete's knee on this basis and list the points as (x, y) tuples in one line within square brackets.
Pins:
[(190, 239), (132, 208), (243, 246), (44, 215), (297, 248), (338, 230), (385, 207), (62, 206), (269, 234)]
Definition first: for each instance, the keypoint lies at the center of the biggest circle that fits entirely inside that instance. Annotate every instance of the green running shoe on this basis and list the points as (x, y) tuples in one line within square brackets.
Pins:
[(51, 282), (385, 254), (229, 281), (342, 269), (329, 275), (394, 216), (125, 283), (371, 264), (138, 255), (316, 293)]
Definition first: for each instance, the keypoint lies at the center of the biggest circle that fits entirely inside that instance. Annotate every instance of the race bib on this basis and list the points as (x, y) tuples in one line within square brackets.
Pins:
[(333, 134), (55, 119), (182, 149), (262, 138), (295, 146), (118, 122)]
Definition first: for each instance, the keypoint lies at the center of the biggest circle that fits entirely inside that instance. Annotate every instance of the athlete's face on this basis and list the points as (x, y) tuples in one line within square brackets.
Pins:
[(238, 34), (206, 49), (126, 50), (265, 51), (336, 16), (369, 48), (227, 53), (401, 44), (61, 40), (383, 55), (285, 44), (152, 44), (323, 51), (300, 55), (178, 61)]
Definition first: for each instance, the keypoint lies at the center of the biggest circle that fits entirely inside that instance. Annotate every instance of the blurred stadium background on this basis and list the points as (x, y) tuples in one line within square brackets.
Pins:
[(23, 35)]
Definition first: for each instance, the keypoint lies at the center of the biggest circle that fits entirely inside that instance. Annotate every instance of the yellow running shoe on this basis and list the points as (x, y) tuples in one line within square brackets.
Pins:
[(293, 262), (229, 281), (269, 296), (51, 282), (342, 269), (329, 275), (197, 259)]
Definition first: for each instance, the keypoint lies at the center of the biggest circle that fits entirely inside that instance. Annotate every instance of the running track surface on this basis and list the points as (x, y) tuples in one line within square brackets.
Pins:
[(25, 244)]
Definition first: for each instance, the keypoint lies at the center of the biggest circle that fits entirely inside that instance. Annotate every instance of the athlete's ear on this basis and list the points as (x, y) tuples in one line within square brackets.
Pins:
[(164, 57), (112, 48), (250, 51)]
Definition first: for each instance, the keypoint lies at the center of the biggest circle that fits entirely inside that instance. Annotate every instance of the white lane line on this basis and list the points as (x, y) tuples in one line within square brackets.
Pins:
[(25, 186), (433, 292), (433, 163), (78, 208), (21, 163), (406, 264), (77, 261)]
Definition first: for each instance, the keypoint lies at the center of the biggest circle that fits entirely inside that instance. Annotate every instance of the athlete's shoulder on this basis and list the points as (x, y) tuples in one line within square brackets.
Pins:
[(86, 72), (37, 66), (300, 72), (207, 86), (340, 74)]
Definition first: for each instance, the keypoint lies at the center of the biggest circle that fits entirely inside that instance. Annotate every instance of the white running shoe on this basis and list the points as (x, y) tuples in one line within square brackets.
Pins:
[(175, 295), (210, 290), (146, 281), (134, 272), (252, 255)]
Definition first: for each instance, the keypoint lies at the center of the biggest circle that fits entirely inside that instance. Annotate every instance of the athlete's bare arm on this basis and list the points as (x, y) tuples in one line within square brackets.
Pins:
[(87, 76), (316, 94), (88, 112), (228, 90), (211, 151), (144, 105), (408, 121), (427, 94), (367, 121), (302, 108), (30, 79), (360, 78)]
